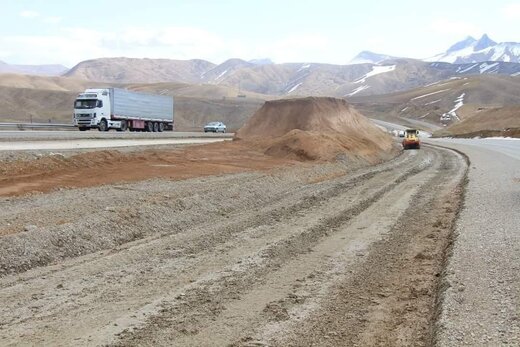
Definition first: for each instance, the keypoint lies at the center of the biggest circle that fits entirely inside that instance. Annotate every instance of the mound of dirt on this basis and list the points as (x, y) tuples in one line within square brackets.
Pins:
[(318, 129)]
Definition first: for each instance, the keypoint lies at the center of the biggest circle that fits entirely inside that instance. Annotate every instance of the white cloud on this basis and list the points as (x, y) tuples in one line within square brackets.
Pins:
[(511, 11), (29, 14), (296, 48), (457, 28), (72, 45), (45, 19), (52, 20)]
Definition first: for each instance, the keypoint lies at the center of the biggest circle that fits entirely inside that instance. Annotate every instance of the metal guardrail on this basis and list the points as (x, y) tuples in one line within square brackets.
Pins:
[(22, 126)]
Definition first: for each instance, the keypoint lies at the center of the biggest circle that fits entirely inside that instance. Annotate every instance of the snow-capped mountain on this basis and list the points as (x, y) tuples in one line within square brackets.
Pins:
[(367, 57), (485, 49)]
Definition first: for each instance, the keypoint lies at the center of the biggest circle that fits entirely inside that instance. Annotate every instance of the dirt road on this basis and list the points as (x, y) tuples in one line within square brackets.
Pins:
[(304, 255)]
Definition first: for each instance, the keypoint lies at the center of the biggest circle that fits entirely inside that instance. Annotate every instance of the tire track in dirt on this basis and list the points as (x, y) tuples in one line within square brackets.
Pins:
[(91, 267), (188, 322), (14, 257), (391, 298)]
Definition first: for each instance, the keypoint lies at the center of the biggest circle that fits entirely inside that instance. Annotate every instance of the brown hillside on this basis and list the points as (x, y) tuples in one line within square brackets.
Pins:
[(316, 128), (43, 82), (498, 121), (429, 103), (131, 70), (24, 104)]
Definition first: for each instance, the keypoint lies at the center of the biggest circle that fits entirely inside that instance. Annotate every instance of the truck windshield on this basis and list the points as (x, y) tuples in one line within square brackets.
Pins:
[(86, 103)]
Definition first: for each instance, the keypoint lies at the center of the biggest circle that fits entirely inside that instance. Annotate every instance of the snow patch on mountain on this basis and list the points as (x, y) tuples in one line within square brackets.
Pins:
[(357, 90), (464, 70), (294, 88), (376, 70), (452, 114), (432, 102), (429, 94), (304, 67), (485, 67), (222, 74)]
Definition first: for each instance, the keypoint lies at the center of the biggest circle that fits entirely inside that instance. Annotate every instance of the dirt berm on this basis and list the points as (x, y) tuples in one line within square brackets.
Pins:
[(316, 128)]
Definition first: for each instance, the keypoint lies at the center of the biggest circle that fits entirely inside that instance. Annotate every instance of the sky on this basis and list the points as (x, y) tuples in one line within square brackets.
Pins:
[(324, 31)]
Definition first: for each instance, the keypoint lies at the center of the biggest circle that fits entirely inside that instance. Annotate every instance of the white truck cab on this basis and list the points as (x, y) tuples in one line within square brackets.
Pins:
[(92, 110)]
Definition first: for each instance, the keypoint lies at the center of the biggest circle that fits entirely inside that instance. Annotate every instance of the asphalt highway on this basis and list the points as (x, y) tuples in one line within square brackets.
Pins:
[(61, 140), (481, 304)]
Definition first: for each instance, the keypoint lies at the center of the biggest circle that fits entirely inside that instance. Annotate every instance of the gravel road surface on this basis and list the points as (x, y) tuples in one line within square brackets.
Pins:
[(292, 257), (481, 304)]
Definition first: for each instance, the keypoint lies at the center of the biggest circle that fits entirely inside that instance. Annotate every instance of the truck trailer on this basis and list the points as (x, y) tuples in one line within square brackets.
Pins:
[(121, 109)]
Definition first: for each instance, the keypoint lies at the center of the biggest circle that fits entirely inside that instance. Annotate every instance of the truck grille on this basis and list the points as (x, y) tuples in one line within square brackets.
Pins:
[(83, 118)]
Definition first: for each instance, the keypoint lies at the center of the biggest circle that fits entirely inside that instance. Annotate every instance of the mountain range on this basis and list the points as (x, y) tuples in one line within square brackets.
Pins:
[(41, 70), (290, 79), (471, 50)]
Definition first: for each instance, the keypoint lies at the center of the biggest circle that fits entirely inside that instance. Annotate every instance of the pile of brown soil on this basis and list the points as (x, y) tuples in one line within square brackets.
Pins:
[(316, 128)]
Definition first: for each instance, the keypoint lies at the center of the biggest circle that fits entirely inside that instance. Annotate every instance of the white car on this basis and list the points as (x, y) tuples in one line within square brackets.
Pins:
[(216, 127)]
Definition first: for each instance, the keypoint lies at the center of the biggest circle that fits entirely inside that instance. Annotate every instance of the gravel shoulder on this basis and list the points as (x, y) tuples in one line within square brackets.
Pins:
[(251, 258)]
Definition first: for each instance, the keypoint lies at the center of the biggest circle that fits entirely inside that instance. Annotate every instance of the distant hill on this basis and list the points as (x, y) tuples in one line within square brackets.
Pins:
[(43, 70), (220, 72), (44, 82), (484, 122), (132, 70), (446, 102)]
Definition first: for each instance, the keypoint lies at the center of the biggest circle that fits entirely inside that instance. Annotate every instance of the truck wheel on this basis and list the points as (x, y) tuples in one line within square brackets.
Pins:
[(155, 127), (161, 127), (124, 126), (149, 127), (103, 125)]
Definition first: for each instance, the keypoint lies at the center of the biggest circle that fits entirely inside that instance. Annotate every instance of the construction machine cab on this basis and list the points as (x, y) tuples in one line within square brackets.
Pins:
[(411, 139)]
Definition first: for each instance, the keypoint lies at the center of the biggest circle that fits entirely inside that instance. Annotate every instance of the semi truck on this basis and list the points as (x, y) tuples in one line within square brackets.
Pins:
[(121, 109)]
